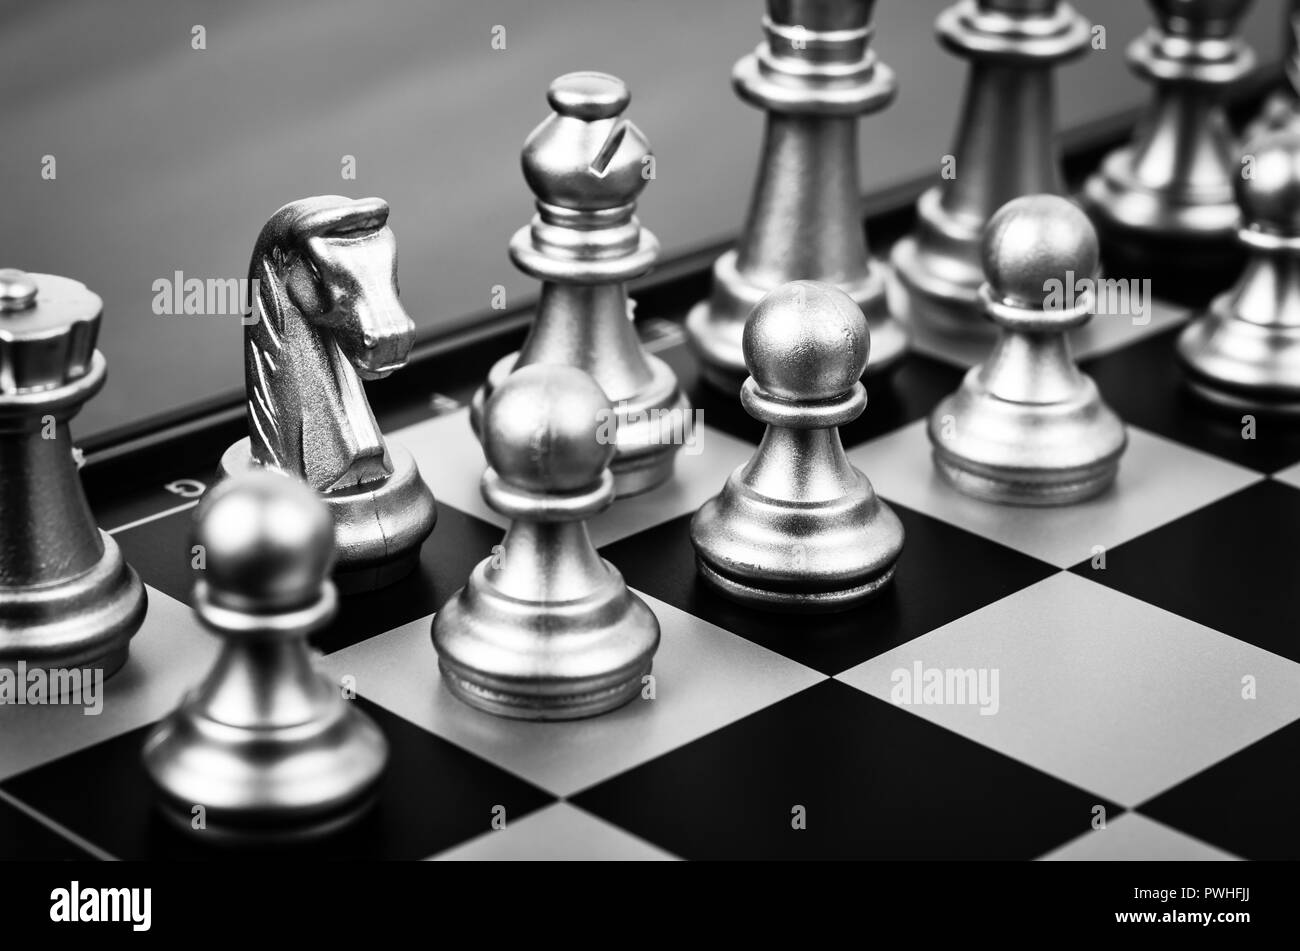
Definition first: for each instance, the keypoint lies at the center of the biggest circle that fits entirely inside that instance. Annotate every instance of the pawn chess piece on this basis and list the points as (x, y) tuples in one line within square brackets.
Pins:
[(1026, 427), (1005, 148), (814, 75), (1244, 351), (797, 527), (1168, 196), (546, 629), (267, 747), (327, 316), (68, 600), (587, 166)]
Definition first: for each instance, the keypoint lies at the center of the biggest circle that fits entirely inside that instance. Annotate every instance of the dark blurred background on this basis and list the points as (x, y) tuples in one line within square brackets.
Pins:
[(170, 158)]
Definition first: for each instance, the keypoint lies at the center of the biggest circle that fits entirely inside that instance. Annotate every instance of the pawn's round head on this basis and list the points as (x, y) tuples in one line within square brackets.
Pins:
[(1269, 188), (267, 542), (1038, 246), (549, 428), (585, 156), (806, 340)]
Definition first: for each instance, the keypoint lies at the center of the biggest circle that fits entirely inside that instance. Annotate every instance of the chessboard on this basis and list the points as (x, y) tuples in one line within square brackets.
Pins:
[(1141, 645)]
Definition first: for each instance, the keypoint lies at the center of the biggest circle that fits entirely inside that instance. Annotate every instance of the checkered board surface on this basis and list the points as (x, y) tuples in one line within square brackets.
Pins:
[(1122, 687)]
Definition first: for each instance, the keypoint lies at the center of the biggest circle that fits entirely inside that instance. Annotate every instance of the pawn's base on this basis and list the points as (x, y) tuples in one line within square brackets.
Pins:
[(545, 661), (378, 526), (741, 590), (83, 623), (1242, 366), (267, 785), (1028, 488), (652, 425), (715, 327)]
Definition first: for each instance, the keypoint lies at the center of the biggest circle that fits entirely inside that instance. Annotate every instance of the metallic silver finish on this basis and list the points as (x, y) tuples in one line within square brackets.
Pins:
[(269, 748), (1175, 180), (1005, 148), (67, 598), (1026, 427), (1244, 351), (797, 527), (587, 165), (814, 74), (326, 316), (1282, 110), (546, 629)]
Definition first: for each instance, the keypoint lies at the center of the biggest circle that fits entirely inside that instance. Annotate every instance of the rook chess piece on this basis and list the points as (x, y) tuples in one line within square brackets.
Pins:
[(269, 748), (1168, 196), (67, 597), (1244, 352), (814, 75), (587, 165), (797, 527), (1005, 148), (326, 316), (546, 629), (1026, 427)]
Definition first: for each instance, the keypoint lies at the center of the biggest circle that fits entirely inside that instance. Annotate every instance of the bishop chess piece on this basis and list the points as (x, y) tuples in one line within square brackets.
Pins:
[(325, 317), (1005, 148), (814, 75), (68, 599), (1168, 196), (587, 165), (546, 629), (1244, 351), (265, 749), (1026, 427), (797, 527)]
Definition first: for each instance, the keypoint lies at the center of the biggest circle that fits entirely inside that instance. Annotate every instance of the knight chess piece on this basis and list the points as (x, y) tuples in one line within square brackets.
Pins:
[(1026, 427), (270, 749), (1005, 148), (546, 629), (325, 317), (797, 527), (68, 599), (1168, 195), (814, 75), (587, 164), (1244, 351)]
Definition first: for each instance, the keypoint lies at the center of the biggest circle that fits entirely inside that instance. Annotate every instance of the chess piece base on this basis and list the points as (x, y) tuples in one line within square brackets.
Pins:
[(949, 305), (652, 426), (716, 325), (378, 526), (533, 661), (85, 622), (1027, 488), (1240, 365)]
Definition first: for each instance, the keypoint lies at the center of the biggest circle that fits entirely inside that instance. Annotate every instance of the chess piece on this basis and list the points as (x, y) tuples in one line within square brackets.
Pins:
[(1282, 110), (1244, 351), (1005, 148), (546, 629), (797, 527), (1168, 195), (269, 748), (814, 75), (326, 316), (68, 600), (1026, 427), (587, 165)]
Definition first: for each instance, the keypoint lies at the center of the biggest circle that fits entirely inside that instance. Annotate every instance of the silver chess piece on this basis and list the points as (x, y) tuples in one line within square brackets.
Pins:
[(797, 527), (587, 165), (814, 75), (1282, 110), (1244, 351), (1172, 186), (1026, 427), (67, 597), (546, 629), (269, 748), (326, 316), (1005, 148)]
